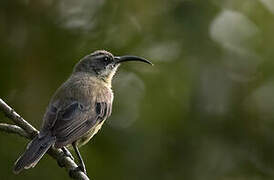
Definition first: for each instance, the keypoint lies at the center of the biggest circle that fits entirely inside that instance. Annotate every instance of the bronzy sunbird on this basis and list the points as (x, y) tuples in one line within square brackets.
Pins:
[(78, 108)]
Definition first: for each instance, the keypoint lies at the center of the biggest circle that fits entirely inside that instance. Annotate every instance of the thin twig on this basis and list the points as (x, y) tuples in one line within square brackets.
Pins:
[(10, 128), (26, 130), (17, 119)]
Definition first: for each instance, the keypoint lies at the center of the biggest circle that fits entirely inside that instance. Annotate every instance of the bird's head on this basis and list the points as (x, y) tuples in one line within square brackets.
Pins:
[(103, 64)]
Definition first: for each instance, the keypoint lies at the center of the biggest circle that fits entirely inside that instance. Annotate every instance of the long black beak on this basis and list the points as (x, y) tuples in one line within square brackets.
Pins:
[(119, 59)]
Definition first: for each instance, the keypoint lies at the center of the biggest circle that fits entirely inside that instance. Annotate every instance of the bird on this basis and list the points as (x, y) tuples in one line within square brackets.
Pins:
[(78, 108)]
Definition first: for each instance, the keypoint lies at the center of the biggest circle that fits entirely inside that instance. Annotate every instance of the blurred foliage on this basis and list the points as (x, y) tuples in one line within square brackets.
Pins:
[(204, 111)]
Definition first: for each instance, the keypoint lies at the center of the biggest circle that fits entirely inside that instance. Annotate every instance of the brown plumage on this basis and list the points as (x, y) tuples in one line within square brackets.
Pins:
[(78, 108)]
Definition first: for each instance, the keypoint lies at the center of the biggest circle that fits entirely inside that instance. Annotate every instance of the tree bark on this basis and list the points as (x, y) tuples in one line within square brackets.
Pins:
[(26, 130)]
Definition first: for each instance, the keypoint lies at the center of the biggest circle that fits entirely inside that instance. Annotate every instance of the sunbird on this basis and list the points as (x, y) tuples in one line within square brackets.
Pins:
[(78, 108)]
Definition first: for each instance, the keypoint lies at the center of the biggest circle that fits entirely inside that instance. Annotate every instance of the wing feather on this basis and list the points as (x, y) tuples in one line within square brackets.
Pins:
[(71, 122)]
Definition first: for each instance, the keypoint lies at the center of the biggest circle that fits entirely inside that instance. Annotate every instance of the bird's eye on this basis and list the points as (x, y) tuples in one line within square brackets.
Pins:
[(107, 59)]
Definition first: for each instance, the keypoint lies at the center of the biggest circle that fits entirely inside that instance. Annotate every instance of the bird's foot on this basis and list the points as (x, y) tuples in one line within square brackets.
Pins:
[(83, 168), (67, 153), (79, 168), (60, 162)]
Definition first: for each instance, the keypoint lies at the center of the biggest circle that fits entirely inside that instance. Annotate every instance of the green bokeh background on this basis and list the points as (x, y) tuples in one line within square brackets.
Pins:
[(205, 111)]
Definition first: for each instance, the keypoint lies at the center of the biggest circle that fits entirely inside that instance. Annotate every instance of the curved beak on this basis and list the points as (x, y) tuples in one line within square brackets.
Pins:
[(119, 59)]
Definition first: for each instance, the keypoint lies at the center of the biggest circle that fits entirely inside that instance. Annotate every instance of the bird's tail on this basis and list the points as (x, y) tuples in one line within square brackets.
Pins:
[(34, 152)]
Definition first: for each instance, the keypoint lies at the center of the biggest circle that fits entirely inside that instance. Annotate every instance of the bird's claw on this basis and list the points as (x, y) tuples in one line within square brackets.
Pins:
[(67, 153), (61, 163), (83, 169), (79, 168)]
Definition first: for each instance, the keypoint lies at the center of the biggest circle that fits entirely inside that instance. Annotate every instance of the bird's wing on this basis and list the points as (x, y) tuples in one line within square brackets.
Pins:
[(71, 122)]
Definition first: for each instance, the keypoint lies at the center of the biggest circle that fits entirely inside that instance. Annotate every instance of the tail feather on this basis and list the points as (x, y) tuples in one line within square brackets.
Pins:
[(34, 152)]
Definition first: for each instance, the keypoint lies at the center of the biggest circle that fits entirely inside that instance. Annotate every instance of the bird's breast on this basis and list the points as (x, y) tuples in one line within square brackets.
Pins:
[(87, 136)]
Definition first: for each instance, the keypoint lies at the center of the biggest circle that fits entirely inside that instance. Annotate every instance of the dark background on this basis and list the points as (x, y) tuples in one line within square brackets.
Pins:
[(204, 111)]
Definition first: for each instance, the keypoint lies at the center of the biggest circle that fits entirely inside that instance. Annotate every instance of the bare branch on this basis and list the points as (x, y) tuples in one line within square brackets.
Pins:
[(9, 128), (26, 130), (68, 163), (17, 119)]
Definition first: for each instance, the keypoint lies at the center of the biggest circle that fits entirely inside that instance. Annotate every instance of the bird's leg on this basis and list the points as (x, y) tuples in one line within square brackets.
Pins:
[(82, 164), (67, 153)]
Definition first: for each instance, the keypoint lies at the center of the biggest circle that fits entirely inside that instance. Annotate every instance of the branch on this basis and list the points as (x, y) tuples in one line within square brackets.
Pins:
[(9, 128), (26, 130), (17, 119)]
